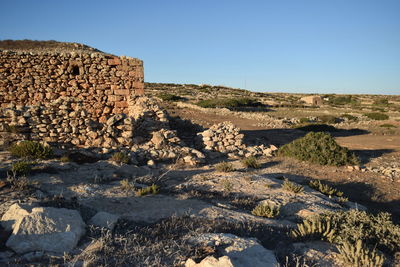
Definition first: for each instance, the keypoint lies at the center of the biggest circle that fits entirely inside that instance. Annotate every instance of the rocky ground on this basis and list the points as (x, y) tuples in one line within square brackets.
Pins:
[(171, 204)]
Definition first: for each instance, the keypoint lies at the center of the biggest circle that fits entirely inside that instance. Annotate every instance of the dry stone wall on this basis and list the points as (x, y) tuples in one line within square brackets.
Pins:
[(144, 129), (102, 83)]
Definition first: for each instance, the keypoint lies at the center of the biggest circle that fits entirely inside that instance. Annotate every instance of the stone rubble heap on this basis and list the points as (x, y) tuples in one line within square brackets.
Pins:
[(224, 137), (145, 129), (390, 172)]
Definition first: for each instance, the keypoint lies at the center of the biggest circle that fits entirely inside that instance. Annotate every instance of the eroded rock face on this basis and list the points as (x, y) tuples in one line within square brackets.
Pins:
[(44, 229), (236, 251)]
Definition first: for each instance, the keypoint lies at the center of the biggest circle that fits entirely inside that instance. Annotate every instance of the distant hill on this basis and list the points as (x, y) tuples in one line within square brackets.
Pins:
[(46, 46)]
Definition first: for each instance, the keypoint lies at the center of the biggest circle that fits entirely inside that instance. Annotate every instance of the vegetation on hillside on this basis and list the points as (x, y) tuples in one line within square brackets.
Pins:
[(320, 148)]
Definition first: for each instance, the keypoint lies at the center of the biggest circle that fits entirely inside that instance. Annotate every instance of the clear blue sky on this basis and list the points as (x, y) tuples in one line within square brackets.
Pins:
[(327, 46)]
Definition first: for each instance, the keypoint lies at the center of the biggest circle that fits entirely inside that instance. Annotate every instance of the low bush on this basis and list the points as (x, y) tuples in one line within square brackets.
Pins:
[(153, 189), (320, 148), (126, 185), (315, 127), (349, 117), (230, 103), (120, 157), (20, 183), (377, 116), (65, 158), (224, 167), (325, 189), (31, 149), (381, 102), (387, 125), (358, 255), (21, 168), (328, 119), (304, 120), (251, 162), (292, 187), (266, 210), (373, 230), (342, 100), (316, 228), (169, 97)]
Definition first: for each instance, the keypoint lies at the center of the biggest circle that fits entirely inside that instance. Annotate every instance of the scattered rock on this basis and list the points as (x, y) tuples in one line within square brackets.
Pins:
[(46, 229)]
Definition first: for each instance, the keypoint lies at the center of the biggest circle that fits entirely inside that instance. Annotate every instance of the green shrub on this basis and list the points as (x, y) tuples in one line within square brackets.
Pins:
[(342, 100), (387, 125), (315, 127), (292, 187), (349, 117), (153, 189), (120, 157), (266, 210), (373, 230), (325, 189), (251, 162), (169, 97), (357, 255), (316, 228), (377, 116), (224, 167), (304, 120), (381, 102), (31, 149), (320, 148), (65, 159), (21, 168), (328, 119), (230, 103)]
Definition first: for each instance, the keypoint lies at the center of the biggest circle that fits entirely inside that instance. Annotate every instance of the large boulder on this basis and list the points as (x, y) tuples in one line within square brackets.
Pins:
[(235, 251), (44, 229)]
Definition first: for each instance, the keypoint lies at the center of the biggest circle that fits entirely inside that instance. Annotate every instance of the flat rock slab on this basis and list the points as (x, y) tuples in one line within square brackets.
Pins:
[(236, 251), (147, 209), (46, 229)]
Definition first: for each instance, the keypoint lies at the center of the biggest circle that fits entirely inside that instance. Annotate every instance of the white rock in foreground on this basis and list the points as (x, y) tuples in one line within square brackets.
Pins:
[(211, 261), (47, 229), (14, 213), (236, 251)]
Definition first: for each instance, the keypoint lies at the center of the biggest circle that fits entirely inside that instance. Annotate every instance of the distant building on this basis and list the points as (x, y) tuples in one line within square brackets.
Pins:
[(313, 100)]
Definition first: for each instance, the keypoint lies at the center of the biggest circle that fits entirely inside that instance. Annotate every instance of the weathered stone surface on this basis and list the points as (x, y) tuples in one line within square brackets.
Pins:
[(15, 213), (211, 261), (47, 229), (104, 220), (238, 252)]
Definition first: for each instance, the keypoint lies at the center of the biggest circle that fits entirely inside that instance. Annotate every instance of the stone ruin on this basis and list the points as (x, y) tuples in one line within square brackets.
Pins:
[(93, 100), (102, 83)]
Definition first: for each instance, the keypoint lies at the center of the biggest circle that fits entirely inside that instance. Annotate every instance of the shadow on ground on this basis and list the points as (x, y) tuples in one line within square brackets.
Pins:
[(283, 136), (366, 156)]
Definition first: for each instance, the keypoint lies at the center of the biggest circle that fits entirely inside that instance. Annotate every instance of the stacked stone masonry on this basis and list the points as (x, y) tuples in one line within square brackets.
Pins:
[(144, 129), (102, 83)]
